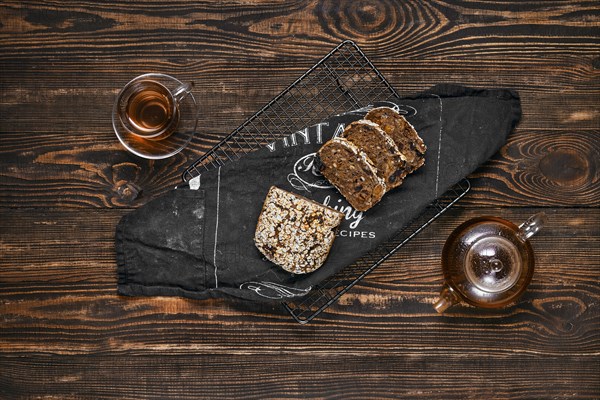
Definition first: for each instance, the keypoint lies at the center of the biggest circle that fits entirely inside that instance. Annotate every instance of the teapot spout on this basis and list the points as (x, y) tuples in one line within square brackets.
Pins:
[(447, 299)]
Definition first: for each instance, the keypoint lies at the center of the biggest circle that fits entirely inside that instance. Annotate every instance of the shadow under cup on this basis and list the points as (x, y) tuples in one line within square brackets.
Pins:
[(155, 116)]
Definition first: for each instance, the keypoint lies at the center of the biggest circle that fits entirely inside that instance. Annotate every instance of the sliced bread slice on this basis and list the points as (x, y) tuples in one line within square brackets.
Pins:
[(352, 173), (402, 133), (381, 150)]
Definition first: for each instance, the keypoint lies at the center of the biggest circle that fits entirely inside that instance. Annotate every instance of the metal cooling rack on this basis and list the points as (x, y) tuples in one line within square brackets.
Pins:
[(331, 289), (343, 80)]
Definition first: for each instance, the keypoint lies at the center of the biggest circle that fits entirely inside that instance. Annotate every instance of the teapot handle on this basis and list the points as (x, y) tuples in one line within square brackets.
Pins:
[(447, 299), (532, 226)]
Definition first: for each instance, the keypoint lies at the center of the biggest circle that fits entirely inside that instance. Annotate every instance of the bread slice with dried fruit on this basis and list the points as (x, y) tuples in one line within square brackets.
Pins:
[(381, 150), (402, 133), (351, 171)]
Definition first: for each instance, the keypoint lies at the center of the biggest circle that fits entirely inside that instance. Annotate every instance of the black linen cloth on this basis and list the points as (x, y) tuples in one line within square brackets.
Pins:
[(197, 241)]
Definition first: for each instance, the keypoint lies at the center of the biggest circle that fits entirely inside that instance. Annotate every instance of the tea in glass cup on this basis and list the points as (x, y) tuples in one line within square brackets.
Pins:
[(149, 111), (155, 115)]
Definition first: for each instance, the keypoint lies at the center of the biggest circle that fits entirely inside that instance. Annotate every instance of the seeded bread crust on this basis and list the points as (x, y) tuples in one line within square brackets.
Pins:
[(351, 171), (381, 150), (294, 232), (403, 133)]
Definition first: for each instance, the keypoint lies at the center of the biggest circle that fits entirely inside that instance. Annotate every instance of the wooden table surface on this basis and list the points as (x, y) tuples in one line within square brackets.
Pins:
[(64, 331)]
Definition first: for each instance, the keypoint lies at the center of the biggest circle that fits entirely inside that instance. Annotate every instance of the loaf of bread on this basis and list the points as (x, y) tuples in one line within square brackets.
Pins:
[(381, 150), (294, 232), (351, 171), (402, 133)]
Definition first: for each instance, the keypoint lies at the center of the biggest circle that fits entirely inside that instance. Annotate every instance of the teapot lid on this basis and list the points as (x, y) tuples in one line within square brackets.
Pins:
[(493, 264)]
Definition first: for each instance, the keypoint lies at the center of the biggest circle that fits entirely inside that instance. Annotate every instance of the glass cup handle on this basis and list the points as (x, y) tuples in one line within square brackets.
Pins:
[(182, 91), (532, 226)]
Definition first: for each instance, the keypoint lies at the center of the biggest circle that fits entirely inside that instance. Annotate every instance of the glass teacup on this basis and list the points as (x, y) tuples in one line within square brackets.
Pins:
[(155, 115)]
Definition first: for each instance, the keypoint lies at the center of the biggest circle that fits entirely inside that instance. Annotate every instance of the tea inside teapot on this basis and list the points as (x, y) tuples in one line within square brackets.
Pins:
[(493, 264)]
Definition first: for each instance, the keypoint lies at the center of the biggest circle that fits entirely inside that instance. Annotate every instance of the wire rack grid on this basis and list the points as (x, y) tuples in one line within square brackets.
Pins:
[(343, 80), (334, 287)]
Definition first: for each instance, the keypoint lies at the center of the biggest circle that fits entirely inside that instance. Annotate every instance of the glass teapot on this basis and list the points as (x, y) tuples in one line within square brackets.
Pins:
[(488, 262)]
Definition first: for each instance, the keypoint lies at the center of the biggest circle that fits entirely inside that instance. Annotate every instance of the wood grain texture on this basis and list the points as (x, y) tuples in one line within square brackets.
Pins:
[(553, 168), (61, 310), (558, 315), (324, 376), (65, 181), (446, 43)]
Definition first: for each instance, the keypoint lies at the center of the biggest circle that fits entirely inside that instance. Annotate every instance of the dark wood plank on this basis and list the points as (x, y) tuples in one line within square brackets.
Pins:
[(60, 290), (44, 97), (415, 375), (542, 168), (251, 29), (449, 43)]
